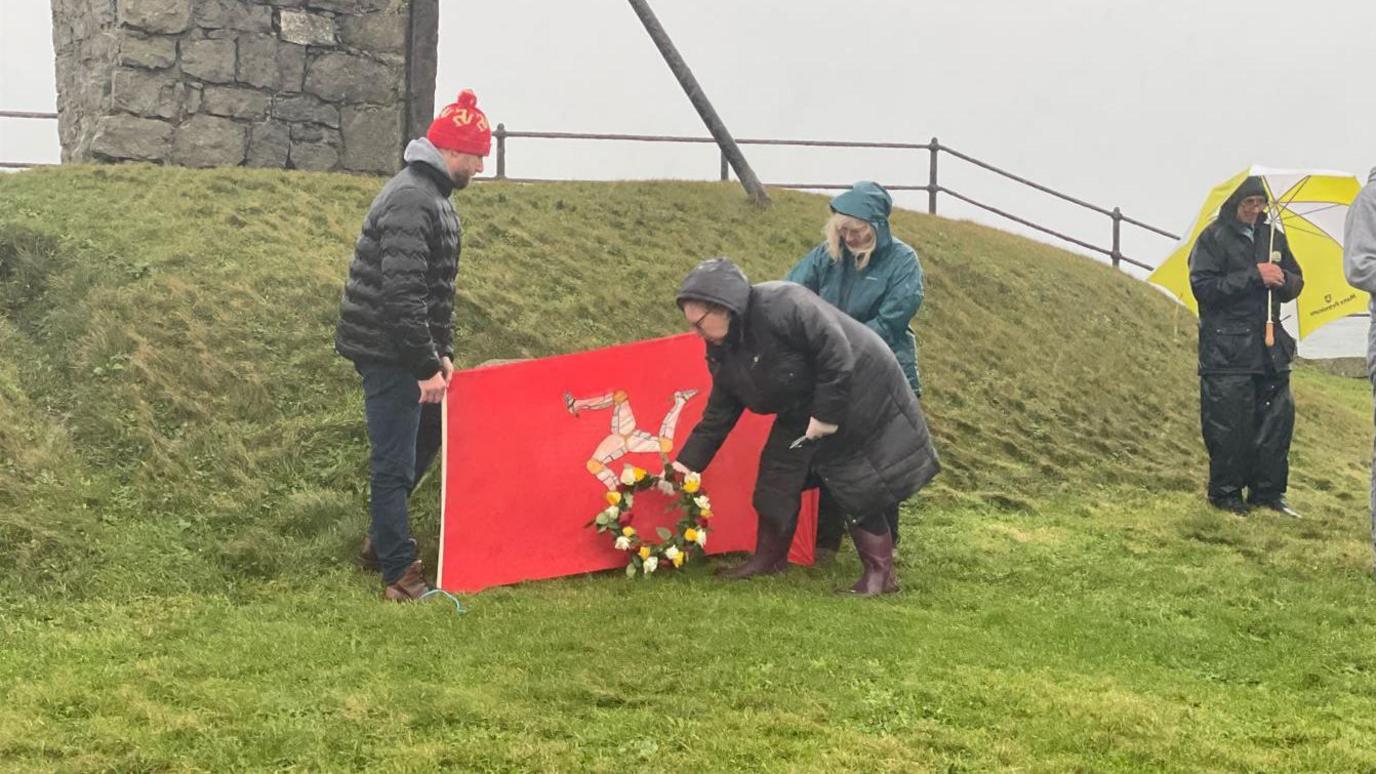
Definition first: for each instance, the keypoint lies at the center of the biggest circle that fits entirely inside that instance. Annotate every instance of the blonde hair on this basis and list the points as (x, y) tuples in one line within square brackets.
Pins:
[(832, 232)]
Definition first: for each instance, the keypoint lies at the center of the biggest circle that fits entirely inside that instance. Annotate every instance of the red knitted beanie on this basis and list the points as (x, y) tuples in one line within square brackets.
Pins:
[(462, 127)]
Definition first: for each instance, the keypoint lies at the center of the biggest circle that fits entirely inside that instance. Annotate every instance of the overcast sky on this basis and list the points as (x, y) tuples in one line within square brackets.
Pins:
[(1142, 104)]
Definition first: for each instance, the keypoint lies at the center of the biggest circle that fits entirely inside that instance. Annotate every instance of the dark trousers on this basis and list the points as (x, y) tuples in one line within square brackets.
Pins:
[(1248, 421), (831, 521), (404, 436), (783, 475)]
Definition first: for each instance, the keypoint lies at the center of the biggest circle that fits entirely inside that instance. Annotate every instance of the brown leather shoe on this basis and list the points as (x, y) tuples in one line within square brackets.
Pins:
[(410, 586), (367, 556)]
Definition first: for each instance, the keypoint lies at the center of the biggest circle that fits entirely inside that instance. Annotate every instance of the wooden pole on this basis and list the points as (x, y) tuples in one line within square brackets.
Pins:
[(728, 145)]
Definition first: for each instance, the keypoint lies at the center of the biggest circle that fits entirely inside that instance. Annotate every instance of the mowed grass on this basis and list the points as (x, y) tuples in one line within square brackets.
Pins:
[(182, 470)]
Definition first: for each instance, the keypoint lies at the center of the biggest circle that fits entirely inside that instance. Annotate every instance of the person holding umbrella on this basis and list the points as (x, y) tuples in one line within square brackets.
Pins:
[(861, 269), (1241, 270), (845, 413)]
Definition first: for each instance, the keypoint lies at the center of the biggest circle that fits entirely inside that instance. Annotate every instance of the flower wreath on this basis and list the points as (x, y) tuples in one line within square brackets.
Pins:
[(689, 535)]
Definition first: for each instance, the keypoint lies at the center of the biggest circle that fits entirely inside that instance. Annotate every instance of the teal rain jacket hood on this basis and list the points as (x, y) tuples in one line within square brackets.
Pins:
[(886, 294)]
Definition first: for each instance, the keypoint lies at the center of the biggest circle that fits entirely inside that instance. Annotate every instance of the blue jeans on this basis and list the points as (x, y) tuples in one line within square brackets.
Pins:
[(404, 435)]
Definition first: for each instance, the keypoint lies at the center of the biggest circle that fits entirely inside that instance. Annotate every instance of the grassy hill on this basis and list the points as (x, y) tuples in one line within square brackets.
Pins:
[(182, 470)]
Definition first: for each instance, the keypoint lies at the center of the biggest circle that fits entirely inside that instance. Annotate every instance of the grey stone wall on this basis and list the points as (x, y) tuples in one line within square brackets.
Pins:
[(301, 84)]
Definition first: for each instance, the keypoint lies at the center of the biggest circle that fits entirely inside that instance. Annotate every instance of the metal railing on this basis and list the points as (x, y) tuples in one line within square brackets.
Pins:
[(933, 186)]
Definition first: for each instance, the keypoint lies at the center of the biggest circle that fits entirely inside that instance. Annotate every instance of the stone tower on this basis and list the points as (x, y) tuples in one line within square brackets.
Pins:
[(305, 84)]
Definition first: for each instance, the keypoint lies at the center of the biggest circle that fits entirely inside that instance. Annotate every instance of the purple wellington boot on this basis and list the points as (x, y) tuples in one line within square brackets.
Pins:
[(876, 557)]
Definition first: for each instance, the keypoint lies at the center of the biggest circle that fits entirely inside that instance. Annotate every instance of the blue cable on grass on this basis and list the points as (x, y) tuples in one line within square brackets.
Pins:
[(458, 606)]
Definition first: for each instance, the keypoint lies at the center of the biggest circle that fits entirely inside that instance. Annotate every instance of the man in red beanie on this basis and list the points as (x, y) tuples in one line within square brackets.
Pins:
[(396, 325)]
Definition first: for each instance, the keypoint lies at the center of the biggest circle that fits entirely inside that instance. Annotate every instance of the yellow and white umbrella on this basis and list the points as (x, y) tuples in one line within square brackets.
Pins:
[(1310, 207)]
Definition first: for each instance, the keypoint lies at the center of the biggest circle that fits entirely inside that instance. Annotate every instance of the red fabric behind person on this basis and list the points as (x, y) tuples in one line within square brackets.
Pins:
[(518, 491)]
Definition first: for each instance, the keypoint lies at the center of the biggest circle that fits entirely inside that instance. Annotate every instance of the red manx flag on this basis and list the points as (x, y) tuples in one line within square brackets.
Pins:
[(532, 448)]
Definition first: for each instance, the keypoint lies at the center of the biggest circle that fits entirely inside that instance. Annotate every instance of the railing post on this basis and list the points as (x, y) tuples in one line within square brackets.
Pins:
[(500, 134), (725, 167), (932, 187), (1117, 236)]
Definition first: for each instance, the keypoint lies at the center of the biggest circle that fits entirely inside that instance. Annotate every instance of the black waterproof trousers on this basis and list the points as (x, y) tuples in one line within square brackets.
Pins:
[(1248, 420)]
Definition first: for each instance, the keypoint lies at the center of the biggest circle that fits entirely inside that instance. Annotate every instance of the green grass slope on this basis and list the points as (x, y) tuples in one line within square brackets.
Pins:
[(171, 363), (182, 470)]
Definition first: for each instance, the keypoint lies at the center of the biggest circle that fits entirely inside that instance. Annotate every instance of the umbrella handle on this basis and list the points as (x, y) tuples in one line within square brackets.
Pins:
[(1274, 258)]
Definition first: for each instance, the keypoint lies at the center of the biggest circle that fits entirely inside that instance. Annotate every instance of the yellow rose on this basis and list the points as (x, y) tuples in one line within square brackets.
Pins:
[(690, 486), (628, 531), (613, 497), (678, 560), (644, 552), (705, 515), (640, 474), (691, 535)]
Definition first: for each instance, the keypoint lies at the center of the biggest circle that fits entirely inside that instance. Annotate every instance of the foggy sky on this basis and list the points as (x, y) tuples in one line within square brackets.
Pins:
[(1137, 104)]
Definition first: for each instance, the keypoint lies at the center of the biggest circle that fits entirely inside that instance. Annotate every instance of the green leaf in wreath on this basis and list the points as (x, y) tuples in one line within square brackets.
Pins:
[(663, 533), (630, 570)]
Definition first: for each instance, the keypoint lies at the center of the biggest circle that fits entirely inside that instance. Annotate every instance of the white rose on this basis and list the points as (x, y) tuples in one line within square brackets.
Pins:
[(702, 538), (629, 499), (651, 564), (671, 553), (693, 478), (628, 475), (666, 488), (703, 503), (623, 543), (613, 513)]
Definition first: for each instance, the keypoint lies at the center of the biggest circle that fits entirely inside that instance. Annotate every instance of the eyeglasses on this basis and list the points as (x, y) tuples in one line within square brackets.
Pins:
[(698, 322)]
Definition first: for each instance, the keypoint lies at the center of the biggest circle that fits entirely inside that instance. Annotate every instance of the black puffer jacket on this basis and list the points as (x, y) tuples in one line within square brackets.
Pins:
[(398, 304), (1232, 297), (792, 354)]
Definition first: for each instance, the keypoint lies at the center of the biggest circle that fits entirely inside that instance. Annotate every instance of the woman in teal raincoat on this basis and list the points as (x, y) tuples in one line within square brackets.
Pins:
[(861, 269)]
